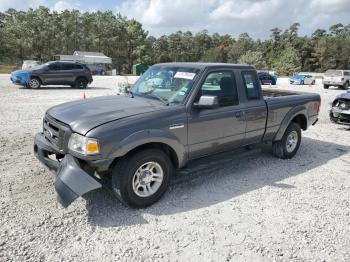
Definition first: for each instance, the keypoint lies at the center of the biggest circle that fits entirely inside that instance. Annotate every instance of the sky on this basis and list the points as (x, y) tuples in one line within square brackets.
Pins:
[(256, 17)]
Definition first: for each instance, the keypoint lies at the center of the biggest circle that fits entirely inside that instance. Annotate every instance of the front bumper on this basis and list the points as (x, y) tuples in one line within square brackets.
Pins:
[(18, 81), (71, 180), (339, 116)]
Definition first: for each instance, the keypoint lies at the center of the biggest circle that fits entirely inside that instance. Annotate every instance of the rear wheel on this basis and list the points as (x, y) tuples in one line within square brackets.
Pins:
[(140, 179), (325, 86), (81, 83), (34, 83), (288, 146)]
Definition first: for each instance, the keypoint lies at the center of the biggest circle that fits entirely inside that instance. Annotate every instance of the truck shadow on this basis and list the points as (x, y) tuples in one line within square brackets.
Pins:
[(212, 180)]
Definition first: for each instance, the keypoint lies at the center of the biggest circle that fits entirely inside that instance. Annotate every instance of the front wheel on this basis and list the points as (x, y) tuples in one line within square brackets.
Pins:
[(34, 83), (288, 146), (140, 179), (325, 86), (346, 86)]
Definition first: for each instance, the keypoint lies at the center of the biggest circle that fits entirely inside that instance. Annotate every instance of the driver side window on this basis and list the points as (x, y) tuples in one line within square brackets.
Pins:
[(222, 85)]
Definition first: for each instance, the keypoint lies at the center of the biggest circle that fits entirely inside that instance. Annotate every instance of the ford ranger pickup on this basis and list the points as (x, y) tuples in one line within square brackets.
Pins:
[(174, 113)]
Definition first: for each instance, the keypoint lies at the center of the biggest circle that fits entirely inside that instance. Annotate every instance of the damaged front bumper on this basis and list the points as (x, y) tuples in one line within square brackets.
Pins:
[(340, 116), (72, 180)]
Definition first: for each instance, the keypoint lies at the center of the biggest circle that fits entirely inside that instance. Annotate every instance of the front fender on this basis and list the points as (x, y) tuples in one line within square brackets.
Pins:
[(149, 136), (299, 110)]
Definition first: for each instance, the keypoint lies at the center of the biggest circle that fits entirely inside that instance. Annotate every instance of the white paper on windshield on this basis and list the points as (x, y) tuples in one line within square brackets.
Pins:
[(185, 75)]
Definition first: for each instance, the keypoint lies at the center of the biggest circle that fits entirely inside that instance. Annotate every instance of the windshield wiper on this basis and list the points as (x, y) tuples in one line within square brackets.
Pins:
[(159, 98)]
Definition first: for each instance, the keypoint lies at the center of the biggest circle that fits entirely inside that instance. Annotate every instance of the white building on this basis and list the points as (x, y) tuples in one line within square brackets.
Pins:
[(96, 61)]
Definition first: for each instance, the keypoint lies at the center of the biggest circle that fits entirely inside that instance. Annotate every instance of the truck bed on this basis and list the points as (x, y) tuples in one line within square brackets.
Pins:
[(281, 105), (276, 92)]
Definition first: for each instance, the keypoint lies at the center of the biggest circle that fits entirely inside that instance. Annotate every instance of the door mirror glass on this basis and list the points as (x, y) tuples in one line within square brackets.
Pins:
[(207, 102)]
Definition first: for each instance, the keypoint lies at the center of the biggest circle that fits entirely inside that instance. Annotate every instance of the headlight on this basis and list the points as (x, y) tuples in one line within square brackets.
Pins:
[(83, 145)]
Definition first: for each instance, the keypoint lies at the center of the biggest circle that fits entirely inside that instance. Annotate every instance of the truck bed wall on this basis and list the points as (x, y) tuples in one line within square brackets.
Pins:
[(284, 108)]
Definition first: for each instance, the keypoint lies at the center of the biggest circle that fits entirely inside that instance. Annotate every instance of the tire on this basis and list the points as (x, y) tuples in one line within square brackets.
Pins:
[(288, 146), (325, 86), (34, 83), (313, 82), (345, 86), (81, 83), (128, 185)]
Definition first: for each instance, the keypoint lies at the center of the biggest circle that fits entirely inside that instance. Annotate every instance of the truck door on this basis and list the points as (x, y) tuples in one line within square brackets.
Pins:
[(213, 130), (255, 107)]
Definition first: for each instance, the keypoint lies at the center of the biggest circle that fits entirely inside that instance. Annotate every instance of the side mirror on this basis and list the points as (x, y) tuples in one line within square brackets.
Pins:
[(207, 102)]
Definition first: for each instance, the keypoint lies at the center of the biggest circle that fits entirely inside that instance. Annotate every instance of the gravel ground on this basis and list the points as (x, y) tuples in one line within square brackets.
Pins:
[(233, 207)]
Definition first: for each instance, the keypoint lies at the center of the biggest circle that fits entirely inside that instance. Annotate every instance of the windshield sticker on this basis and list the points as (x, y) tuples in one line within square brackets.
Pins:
[(184, 89), (185, 75)]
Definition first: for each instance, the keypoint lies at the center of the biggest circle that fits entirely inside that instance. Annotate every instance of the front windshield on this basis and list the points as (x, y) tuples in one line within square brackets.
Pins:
[(171, 84)]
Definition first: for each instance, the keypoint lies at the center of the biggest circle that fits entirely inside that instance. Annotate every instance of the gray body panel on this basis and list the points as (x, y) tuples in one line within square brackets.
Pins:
[(123, 123)]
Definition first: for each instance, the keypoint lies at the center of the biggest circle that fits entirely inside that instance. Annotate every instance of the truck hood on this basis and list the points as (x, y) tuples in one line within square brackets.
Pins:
[(345, 95), (84, 115)]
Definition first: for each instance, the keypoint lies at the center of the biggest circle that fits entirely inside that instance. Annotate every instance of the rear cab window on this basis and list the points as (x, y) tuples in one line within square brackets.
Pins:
[(251, 85), (332, 72)]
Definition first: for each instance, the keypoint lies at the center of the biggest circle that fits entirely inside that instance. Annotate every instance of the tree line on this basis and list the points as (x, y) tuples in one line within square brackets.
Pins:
[(42, 33)]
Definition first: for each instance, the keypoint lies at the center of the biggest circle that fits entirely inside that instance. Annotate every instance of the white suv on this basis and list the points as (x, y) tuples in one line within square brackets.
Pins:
[(339, 78)]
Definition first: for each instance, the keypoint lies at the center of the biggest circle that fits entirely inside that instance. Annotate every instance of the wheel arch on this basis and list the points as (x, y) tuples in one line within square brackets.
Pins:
[(80, 77), (37, 77), (147, 139), (297, 115), (168, 150)]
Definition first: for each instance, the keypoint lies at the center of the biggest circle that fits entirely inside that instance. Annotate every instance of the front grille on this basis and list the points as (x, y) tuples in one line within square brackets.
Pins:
[(55, 132)]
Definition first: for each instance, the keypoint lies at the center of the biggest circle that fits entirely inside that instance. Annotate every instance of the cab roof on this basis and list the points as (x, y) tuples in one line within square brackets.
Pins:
[(206, 65)]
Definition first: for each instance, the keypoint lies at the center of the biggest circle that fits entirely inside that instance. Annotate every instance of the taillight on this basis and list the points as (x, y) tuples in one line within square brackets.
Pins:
[(318, 106)]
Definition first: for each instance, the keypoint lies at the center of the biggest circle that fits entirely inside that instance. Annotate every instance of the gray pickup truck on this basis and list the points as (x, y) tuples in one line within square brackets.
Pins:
[(175, 112)]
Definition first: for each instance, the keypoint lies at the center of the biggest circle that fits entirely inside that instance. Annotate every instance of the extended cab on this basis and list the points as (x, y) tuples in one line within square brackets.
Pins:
[(137, 140)]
